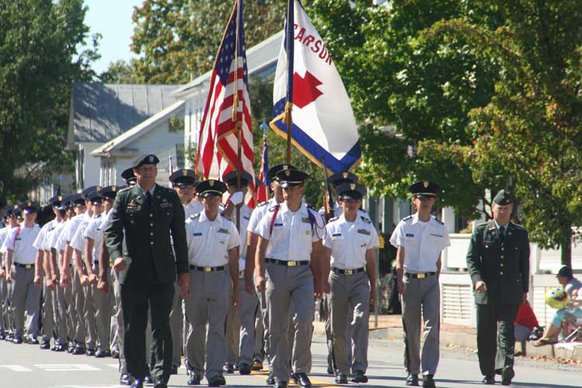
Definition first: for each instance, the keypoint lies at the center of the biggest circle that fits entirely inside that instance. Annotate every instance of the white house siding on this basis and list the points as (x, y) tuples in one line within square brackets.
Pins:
[(90, 166)]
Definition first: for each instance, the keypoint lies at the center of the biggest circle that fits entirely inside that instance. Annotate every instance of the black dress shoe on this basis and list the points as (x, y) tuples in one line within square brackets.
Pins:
[(244, 369), (125, 379), (341, 379), (359, 377), (137, 383), (270, 380), (161, 384), (17, 339), (100, 353), (174, 370), (115, 354), (302, 380), (257, 365), (45, 344), (228, 368), (59, 348), (330, 370), (78, 350), (507, 375), (428, 381), (194, 379), (412, 380), (489, 380), (216, 381), (281, 384), (148, 379), (90, 352), (31, 340)]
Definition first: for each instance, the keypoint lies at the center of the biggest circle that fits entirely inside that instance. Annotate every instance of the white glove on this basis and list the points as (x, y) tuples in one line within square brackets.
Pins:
[(236, 198)]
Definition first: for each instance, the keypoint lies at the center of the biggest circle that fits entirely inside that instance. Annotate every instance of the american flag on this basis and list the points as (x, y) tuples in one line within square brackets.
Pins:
[(217, 152)]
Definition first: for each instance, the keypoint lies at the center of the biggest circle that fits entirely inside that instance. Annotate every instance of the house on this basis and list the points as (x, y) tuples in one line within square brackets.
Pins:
[(100, 113)]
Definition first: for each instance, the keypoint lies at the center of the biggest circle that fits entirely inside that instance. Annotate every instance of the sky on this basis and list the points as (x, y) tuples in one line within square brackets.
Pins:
[(111, 18)]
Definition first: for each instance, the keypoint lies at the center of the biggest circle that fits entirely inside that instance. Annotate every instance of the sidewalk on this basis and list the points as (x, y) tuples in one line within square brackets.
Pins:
[(390, 328)]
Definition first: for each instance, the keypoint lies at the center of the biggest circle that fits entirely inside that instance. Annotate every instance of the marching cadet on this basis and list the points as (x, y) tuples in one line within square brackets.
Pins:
[(213, 243), (86, 310), (99, 299), (334, 180), (289, 267), (48, 286), (184, 182), (351, 239), (252, 237), (419, 240), (498, 262), (240, 321), (143, 223), (12, 217), (20, 251)]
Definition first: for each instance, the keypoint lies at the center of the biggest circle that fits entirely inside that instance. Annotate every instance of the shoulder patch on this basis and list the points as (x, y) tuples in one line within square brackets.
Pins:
[(437, 220), (272, 208), (366, 219), (125, 189), (408, 218), (262, 203), (333, 219), (195, 215)]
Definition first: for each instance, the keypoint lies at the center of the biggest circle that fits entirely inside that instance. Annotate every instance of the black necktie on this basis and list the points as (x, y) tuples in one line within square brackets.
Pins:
[(502, 233), (148, 199)]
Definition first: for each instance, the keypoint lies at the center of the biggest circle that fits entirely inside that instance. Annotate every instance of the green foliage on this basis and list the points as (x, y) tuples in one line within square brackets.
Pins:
[(119, 72), (39, 59), (486, 92), (176, 40)]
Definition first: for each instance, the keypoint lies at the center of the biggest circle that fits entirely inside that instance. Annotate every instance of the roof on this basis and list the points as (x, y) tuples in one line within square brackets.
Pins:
[(100, 112), (259, 57), (139, 130)]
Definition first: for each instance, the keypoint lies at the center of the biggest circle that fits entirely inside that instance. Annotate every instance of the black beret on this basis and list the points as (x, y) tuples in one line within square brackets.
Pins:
[(183, 177), (342, 177), (291, 177), (424, 189), (503, 198), (231, 178), (145, 159), (350, 191), (210, 187), (273, 171), (109, 192)]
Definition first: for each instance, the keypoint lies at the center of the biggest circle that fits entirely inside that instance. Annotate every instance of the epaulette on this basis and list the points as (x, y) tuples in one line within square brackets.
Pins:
[(437, 220), (195, 215), (407, 218), (366, 220), (333, 219), (262, 203), (272, 208), (125, 189)]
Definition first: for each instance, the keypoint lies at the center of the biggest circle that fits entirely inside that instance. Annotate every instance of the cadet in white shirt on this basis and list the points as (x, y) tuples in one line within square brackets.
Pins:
[(12, 218), (289, 267), (240, 321), (213, 243), (20, 251), (351, 239), (419, 239), (184, 182)]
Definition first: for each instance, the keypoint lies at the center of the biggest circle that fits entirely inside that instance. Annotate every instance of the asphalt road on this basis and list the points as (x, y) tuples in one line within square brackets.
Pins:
[(27, 366)]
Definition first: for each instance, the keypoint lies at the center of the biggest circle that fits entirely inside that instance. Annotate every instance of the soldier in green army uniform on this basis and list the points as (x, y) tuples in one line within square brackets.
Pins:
[(147, 216), (498, 262)]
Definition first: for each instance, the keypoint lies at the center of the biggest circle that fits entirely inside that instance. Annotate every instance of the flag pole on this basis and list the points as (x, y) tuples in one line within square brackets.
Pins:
[(237, 122), (289, 35)]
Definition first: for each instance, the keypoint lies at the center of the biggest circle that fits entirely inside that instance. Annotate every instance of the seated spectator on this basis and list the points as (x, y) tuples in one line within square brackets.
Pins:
[(572, 287), (525, 322)]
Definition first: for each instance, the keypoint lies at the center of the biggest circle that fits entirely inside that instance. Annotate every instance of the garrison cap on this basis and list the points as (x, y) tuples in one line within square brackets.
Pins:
[(94, 197), (55, 201), (271, 174), (424, 189), (350, 191), (341, 178), (108, 192), (503, 198), (231, 178), (183, 177), (145, 159), (210, 187), (14, 212), (291, 177), (565, 272), (73, 200), (88, 191), (28, 207)]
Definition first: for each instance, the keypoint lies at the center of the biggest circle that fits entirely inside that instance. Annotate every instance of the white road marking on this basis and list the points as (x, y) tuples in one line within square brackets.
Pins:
[(67, 367), (16, 368)]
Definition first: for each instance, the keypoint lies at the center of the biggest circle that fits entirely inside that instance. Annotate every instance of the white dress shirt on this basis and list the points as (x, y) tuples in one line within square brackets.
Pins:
[(349, 241), (209, 241)]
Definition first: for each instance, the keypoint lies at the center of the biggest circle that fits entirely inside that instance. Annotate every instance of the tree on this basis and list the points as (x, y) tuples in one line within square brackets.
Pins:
[(176, 40), (482, 95), (120, 72), (39, 59)]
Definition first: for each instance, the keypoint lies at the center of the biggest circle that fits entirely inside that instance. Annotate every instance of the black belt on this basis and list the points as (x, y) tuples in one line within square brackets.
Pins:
[(287, 263), (27, 266), (347, 271), (421, 275), (207, 269)]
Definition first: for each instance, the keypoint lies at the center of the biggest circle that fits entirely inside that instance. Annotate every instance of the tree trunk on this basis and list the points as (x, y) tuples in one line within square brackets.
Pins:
[(567, 251)]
